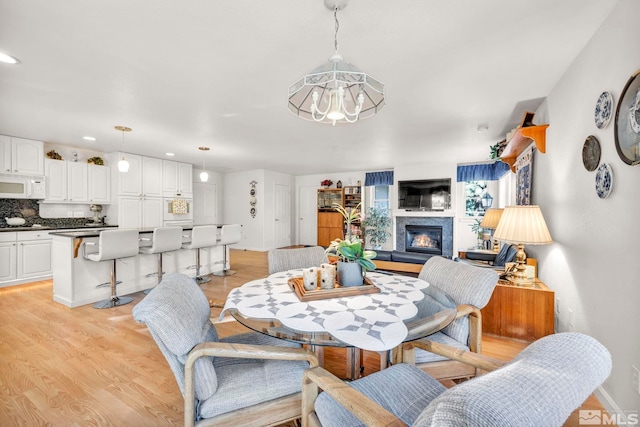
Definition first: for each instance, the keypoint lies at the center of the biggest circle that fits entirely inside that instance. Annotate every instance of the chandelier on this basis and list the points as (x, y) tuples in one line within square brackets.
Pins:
[(336, 92)]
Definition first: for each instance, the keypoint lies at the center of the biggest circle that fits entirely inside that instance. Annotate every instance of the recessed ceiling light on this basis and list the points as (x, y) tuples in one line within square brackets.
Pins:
[(170, 154), (8, 59), (88, 138)]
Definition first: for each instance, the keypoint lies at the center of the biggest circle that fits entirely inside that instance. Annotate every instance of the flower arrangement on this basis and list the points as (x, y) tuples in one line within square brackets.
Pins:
[(326, 183), (351, 248)]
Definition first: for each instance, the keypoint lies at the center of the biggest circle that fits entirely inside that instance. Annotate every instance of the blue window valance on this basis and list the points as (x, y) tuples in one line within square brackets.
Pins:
[(378, 178), (482, 171)]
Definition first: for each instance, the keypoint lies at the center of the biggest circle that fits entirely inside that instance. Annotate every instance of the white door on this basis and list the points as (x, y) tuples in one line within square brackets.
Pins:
[(129, 212), (151, 177), (282, 217), (56, 182), (7, 261), (204, 204), (99, 179), (130, 182), (77, 190), (308, 215), (34, 258), (27, 156)]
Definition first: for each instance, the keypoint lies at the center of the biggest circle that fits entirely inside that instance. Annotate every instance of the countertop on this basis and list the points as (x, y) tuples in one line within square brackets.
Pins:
[(95, 231), (49, 227)]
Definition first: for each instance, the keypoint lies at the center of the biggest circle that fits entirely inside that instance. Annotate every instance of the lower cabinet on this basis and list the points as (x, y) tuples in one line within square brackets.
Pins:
[(24, 256), (139, 212), (330, 226), (525, 313)]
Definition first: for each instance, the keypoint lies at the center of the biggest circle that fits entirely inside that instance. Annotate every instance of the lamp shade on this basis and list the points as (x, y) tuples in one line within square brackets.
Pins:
[(523, 224), (491, 218)]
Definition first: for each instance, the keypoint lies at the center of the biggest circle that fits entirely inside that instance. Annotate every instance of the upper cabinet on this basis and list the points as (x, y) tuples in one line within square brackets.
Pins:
[(152, 177), (21, 156), (177, 179), (130, 182), (77, 182)]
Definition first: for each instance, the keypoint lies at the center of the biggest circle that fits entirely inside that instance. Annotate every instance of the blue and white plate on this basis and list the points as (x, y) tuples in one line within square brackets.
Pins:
[(604, 181), (604, 110)]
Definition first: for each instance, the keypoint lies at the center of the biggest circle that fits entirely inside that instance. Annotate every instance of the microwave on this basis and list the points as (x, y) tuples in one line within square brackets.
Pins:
[(21, 187)]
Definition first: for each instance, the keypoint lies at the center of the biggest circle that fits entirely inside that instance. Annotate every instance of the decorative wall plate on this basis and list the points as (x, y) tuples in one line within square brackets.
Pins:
[(627, 125), (591, 153), (604, 181), (604, 110)]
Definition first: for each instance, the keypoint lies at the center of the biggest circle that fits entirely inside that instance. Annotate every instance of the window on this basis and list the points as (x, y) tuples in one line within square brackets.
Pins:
[(473, 193), (381, 197)]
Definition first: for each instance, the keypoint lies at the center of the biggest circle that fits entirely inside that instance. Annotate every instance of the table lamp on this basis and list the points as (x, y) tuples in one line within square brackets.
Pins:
[(522, 225), (490, 221)]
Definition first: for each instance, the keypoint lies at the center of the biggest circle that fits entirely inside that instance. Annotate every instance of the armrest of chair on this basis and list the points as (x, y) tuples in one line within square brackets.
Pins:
[(467, 357), (367, 411), (84, 248), (243, 351)]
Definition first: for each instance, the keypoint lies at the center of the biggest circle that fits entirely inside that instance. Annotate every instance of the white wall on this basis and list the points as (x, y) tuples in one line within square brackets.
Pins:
[(592, 264)]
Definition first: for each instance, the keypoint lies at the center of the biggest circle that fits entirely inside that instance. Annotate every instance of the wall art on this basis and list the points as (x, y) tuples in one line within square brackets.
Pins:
[(253, 201), (604, 110), (591, 153), (604, 181), (627, 123), (524, 177)]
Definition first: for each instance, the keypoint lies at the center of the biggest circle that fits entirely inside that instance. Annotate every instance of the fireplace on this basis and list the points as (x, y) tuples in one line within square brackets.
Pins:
[(444, 223), (425, 239)]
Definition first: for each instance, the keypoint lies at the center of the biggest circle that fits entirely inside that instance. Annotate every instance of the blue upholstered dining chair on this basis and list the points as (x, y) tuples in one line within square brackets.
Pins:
[(471, 288), (249, 377), (289, 259), (541, 386)]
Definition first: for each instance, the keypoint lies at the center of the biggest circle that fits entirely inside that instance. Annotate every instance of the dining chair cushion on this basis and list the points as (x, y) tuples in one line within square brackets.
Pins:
[(289, 259), (466, 284), (177, 314), (246, 382), (542, 386), (427, 357), (402, 389)]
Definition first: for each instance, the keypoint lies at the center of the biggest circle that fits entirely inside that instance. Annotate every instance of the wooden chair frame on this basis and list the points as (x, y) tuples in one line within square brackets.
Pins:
[(273, 412), (450, 369), (365, 409)]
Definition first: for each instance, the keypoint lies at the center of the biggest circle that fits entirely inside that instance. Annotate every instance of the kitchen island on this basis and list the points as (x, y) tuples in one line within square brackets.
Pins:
[(77, 281)]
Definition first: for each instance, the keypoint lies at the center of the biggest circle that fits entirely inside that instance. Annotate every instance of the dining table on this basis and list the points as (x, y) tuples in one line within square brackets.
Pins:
[(403, 308)]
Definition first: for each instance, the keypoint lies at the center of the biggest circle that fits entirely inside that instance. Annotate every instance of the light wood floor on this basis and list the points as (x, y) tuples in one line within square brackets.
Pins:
[(88, 367)]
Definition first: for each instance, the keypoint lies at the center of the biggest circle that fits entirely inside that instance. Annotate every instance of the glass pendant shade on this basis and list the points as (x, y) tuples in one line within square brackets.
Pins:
[(204, 176), (123, 165)]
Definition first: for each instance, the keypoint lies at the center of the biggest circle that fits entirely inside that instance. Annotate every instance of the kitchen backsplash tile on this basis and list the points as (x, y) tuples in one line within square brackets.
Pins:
[(30, 211)]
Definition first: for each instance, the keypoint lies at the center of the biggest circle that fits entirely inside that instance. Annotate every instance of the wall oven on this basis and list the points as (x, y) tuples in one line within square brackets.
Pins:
[(178, 209), (21, 187)]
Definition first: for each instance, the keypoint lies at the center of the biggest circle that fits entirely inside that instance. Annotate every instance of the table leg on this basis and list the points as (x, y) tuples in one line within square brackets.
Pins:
[(319, 351)]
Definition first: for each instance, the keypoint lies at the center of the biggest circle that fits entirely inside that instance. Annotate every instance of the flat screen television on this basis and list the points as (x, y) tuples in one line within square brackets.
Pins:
[(425, 194)]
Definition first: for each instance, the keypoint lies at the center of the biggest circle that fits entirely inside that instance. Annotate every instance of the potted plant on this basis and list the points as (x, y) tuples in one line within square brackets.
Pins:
[(377, 223), (326, 183), (353, 260)]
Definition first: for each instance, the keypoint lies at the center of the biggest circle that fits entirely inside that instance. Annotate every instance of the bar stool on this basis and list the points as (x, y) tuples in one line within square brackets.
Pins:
[(113, 245), (202, 236), (229, 235), (163, 239)]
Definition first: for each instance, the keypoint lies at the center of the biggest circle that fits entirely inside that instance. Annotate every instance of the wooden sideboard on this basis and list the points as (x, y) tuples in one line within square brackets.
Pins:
[(525, 313)]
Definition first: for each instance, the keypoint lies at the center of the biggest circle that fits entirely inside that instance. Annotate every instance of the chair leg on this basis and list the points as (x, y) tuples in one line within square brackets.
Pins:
[(115, 300), (224, 271), (200, 279)]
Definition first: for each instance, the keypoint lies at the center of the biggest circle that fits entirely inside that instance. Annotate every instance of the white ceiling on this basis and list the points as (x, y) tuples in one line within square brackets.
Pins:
[(189, 73)]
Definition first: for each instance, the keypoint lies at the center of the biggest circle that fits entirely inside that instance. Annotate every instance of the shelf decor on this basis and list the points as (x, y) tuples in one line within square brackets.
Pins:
[(252, 198), (524, 168), (627, 123)]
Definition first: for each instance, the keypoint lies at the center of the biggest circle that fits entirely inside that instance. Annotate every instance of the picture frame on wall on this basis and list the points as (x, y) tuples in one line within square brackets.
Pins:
[(524, 177), (627, 122)]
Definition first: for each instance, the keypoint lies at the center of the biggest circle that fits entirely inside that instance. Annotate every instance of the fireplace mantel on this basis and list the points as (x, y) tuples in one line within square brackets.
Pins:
[(444, 221), (405, 213)]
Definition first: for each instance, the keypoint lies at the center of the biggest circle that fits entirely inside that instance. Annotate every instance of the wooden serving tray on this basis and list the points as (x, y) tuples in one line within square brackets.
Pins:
[(297, 284)]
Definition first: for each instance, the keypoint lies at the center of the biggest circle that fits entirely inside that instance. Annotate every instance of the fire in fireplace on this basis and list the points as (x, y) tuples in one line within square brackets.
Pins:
[(423, 238)]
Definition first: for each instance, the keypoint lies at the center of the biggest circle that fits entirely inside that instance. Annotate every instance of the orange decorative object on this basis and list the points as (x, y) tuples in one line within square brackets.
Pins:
[(521, 140)]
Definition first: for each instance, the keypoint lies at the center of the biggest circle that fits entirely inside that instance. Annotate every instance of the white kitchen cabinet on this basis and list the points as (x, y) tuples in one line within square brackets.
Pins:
[(24, 256), (21, 156), (77, 186), (99, 183), (56, 180), (177, 179), (7, 257), (139, 212), (151, 177)]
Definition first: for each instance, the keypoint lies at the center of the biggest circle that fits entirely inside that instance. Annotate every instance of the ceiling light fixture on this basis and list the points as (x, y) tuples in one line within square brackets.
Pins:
[(88, 138), (204, 175), (123, 165), (337, 91), (8, 59), (170, 154)]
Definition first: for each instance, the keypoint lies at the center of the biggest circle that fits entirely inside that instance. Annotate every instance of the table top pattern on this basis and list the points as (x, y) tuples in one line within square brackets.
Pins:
[(371, 322)]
